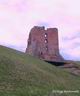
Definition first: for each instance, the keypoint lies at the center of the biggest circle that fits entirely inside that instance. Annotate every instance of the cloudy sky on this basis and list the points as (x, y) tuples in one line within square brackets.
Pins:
[(17, 17)]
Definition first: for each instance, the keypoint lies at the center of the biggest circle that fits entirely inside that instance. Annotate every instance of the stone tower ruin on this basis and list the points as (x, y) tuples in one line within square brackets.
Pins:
[(44, 44)]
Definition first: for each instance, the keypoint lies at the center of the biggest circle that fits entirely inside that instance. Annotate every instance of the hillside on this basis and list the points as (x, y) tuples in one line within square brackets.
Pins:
[(24, 75)]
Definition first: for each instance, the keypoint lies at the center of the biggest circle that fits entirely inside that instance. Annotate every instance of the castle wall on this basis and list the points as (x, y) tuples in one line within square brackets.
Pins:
[(44, 44)]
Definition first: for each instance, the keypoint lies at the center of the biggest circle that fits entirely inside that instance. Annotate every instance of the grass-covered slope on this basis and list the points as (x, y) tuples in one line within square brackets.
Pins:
[(24, 75)]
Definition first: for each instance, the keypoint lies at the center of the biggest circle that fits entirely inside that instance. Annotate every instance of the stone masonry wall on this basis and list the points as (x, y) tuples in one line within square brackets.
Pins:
[(44, 44)]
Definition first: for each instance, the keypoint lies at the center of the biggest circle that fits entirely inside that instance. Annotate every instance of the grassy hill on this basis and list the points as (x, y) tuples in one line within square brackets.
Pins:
[(24, 75)]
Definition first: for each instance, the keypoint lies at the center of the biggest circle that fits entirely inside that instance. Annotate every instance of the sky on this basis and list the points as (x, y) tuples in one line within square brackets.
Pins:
[(17, 17)]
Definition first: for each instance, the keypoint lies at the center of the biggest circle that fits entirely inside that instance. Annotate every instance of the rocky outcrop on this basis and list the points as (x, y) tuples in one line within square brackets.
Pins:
[(72, 67), (44, 44)]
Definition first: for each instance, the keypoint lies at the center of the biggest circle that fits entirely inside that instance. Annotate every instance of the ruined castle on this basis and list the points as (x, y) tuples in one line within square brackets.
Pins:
[(44, 44)]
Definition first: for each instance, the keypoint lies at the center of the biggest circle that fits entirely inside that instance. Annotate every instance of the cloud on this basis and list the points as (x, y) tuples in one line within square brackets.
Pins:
[(73, 54), (17, 17)]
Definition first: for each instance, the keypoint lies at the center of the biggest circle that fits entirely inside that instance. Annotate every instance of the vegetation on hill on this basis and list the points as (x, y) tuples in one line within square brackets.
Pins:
[(24, 75)]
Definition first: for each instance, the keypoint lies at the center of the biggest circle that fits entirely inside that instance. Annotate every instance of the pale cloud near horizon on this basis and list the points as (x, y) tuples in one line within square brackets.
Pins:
[(17, 17)]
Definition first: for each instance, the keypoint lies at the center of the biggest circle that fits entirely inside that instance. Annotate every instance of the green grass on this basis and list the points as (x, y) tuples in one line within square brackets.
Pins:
[(24, 75)]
